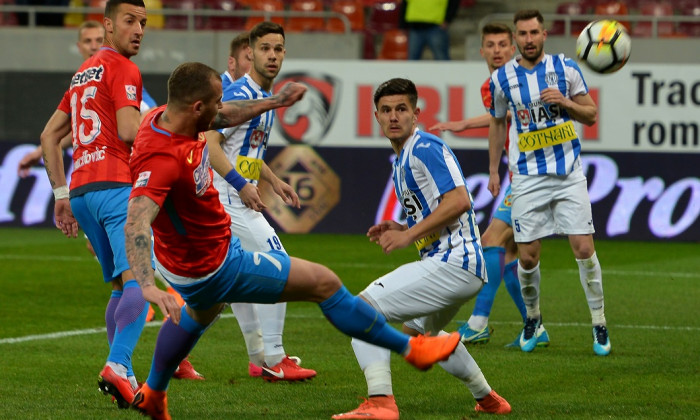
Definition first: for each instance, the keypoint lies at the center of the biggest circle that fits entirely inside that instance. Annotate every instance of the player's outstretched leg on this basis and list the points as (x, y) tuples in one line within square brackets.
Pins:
[(356, 318)]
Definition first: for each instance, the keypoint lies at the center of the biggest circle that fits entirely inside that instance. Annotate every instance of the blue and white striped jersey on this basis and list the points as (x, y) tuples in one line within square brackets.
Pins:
[(147, 101), (245, 145), (226, 80), (426, 169), (543, 137)]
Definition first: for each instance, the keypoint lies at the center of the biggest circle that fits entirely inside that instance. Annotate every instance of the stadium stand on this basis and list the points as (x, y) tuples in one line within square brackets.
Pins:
[(73, 20), (384, 16), (268, 6), (394, 45), (690, 8), (224, 23), (8, 18), (353, 9), (571, 9), (305, 23), (98, 4), (613, 7), (180, 21), (156, 20), (664, 28)]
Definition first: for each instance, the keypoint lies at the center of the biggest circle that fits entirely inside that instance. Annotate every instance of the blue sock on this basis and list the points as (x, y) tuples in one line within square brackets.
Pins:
[(510, 278), (493, 255), (130, 317), (356, 318), (174, 343), (109, 314)]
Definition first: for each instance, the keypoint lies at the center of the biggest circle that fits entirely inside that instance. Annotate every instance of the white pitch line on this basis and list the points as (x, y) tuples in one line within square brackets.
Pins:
[(649, 273), (387, 266), (88, 331)]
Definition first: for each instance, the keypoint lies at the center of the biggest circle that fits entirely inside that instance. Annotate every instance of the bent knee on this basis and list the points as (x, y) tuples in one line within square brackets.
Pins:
[(326, 282)]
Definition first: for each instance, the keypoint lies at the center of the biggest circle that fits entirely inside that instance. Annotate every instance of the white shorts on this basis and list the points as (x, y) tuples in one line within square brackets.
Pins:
[(428, 289), (250, 226), (545, 205)]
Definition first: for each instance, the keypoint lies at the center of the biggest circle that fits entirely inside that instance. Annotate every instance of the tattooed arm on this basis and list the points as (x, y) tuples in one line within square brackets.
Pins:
[(137, 234), (56, 129), (236, 112)]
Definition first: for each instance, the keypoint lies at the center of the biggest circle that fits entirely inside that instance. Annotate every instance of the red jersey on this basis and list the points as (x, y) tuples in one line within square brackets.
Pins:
[(105, 83), (192, 230)]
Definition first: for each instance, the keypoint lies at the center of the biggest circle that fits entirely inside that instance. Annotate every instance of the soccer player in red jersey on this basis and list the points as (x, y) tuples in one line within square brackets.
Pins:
[(196, 253), (101, 109)]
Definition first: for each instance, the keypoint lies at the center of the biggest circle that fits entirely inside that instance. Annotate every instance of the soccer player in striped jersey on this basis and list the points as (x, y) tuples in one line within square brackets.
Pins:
[(241, 151), (545, 95), (196, 252), (239, 60), (426, 294), (500, 250)]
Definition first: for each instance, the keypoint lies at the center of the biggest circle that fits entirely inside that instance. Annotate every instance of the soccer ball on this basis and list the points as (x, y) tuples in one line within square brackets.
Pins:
[(604, 45)]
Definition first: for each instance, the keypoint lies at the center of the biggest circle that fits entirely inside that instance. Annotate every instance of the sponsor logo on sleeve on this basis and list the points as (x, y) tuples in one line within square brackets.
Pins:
[(142, 180), (130, 92)]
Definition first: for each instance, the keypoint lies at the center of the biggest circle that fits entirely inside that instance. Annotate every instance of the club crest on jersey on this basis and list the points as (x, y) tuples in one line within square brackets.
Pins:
[(130, 92), (201, 176), (523, 114), (309, 120), (258, 137), (142, 180), (551, 78)]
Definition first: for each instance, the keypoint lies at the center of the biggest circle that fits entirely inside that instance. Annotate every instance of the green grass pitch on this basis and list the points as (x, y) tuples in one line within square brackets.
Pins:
[(53, 344)]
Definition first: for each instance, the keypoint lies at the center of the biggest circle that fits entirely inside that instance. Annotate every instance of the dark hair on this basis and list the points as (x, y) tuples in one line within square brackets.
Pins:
[(89, 24), (112, 5), (495, 28), (397, 86), (238, 43), (262, 29), (528, 14), (189, 83)]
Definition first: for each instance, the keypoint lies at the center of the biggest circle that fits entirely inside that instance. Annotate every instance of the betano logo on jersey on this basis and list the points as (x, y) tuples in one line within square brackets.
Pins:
[(309, 120), (86, 76)]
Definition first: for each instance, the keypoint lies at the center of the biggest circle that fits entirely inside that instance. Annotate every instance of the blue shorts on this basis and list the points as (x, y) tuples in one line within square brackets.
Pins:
[(503, 210), (102, 215), (256, 277)]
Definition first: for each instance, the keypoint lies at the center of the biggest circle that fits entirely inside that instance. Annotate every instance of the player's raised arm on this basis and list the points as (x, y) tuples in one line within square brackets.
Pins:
[(236, 112)]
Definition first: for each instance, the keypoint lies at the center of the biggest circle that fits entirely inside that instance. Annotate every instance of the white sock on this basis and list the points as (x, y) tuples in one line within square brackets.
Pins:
[(271, 318), (118, 368), (250, 327), (375, 363), (134, 383), (591, 278), (462, 366), (478, 322), (530, 288)]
